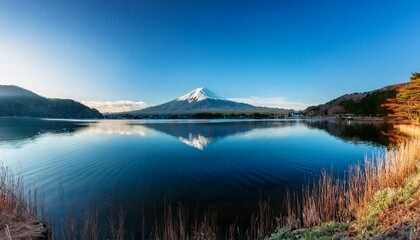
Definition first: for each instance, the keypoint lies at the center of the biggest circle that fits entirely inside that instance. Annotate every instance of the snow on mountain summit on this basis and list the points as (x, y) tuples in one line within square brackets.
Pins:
[(199, 94)]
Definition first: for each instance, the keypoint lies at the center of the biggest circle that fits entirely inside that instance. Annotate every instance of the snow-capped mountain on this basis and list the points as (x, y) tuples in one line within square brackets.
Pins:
[(199, 94), (201, 100)]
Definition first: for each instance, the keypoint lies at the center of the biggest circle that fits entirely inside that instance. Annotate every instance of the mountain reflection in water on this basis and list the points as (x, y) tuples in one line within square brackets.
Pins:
[(200, 134), (197, 134)]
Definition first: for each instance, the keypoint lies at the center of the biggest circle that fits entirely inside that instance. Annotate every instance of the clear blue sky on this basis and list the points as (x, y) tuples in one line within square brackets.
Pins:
[(154, 51)]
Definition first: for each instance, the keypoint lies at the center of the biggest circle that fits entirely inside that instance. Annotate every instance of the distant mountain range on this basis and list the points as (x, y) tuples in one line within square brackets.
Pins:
[(200, 103), (362, 104), (203, 100), (19, 102)]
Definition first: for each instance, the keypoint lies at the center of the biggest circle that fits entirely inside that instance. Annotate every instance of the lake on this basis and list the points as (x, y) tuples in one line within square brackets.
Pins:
[(226, 164)]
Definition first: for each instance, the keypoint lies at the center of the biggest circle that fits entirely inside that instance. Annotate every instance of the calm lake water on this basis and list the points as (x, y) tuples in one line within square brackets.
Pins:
[(225, 164)]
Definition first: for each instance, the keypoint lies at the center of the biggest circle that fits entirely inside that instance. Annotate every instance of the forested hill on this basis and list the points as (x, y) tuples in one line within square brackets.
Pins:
[(360, 104), (19, 102)]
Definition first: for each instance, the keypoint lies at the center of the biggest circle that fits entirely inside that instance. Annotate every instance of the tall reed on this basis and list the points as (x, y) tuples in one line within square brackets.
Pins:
[(176, 222), (329, 199), (19, 208)]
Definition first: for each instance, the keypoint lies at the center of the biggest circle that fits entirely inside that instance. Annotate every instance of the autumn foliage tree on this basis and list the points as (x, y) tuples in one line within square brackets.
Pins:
[(405, 107)]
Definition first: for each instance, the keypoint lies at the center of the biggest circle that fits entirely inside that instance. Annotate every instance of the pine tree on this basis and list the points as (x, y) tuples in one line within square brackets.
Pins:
[(406, 106)]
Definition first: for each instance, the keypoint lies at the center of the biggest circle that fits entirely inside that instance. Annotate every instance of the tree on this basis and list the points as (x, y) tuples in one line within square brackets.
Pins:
[(405, 107)]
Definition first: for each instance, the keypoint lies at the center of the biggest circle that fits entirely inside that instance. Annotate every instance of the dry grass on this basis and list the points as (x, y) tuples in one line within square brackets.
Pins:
[(410, 130), (388, 171), (179, 226), (18, 212), (324, 201), (346, 199), (175, 223)]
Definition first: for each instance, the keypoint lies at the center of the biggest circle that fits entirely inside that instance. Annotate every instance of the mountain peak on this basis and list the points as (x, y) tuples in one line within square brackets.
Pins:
[(199, 94)]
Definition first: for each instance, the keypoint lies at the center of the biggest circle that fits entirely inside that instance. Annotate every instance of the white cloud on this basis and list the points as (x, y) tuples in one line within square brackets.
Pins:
[(272, 102), (115, 106)]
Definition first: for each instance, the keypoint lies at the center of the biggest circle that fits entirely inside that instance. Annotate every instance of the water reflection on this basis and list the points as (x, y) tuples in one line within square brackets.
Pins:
[(115, 128), (140, 162), (18, 129), (195, 134), (200, 135), (356, 132)]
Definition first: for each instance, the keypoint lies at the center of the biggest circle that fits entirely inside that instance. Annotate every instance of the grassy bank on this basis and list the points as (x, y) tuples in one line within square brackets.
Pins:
[(378, 198)]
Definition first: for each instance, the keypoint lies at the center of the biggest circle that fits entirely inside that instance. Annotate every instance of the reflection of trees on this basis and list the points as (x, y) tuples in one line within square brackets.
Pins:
[(355, 132), (15, 129)]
